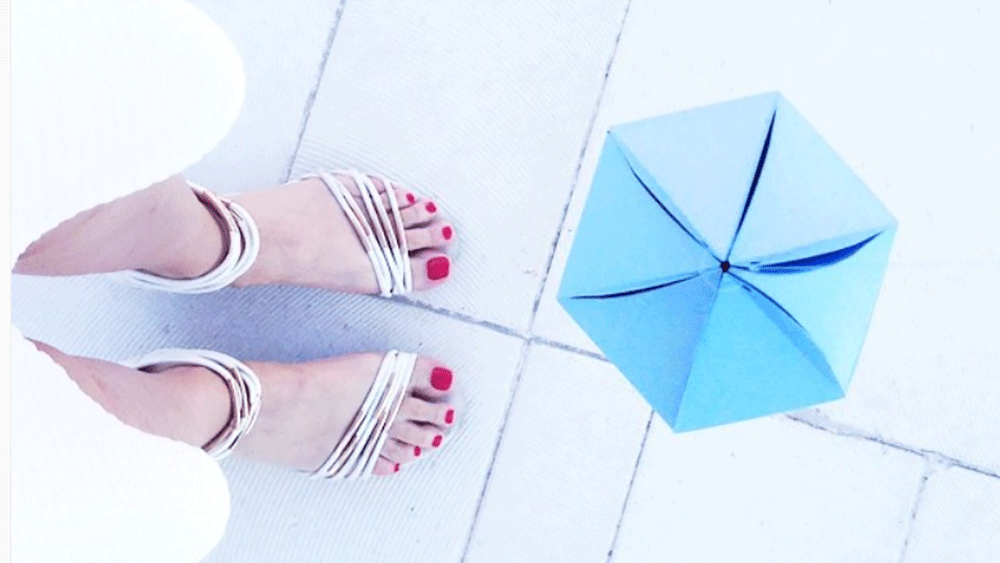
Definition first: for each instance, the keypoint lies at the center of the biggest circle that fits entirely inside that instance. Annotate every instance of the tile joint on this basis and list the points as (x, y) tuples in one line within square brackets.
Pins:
[(515, 385), (311, 99), (930, 467), (631, 483), (818, 421), (576, 173)]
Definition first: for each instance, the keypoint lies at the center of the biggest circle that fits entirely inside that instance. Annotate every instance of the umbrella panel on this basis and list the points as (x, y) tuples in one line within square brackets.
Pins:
[(833, 303), (700, 163), (651, 335), (806, 196), (752, 360), (625, 240)]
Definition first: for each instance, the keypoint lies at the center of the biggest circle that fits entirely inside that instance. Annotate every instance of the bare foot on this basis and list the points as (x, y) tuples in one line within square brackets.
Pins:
[(307, 407), (305, 239)]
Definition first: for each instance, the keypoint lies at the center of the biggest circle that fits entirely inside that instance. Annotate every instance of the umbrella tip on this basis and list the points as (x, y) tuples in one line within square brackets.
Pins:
[(725, 265)]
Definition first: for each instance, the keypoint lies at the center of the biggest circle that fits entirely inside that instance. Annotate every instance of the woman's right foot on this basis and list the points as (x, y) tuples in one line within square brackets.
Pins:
[(307, 407)]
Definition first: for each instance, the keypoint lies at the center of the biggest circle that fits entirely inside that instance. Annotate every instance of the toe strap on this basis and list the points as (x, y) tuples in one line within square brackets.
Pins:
[(379, 230), (243, 384), (358, 451)]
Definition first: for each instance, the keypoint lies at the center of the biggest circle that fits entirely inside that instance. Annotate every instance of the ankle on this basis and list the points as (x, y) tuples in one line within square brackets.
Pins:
[(187, 240), (202, 401)]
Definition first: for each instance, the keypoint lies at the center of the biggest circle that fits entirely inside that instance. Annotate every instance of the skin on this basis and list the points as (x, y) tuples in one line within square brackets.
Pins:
[(305, 240)]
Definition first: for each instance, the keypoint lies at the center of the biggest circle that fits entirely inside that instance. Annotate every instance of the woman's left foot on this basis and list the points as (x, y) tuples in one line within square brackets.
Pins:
[(306, 239)]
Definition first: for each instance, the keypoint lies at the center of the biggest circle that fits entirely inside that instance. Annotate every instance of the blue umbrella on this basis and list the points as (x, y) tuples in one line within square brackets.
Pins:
[(727, 262)]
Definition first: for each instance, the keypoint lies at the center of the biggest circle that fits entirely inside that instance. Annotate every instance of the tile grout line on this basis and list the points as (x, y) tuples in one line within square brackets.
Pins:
[(518, 371), (311, 99), (462, 317), (499, 328), (628, 492), (528, 338), (849, 432), (568, 348), (925, 474), (576, 174)]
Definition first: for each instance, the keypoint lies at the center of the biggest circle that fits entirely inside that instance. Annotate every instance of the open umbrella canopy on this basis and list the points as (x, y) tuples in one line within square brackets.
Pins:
[(727, 262)]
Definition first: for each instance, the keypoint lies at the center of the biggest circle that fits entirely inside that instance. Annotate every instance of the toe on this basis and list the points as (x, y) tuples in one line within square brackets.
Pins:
[(430, 268), (411, 433), (404, 198), (412, 209), (420, 212), (385, 467), (401, 452), (436, 235), (418, 410), (431, 382)]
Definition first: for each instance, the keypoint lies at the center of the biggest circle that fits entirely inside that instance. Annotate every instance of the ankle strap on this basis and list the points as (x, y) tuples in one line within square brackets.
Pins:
[(240, 237), (243, 384), (382, 236)]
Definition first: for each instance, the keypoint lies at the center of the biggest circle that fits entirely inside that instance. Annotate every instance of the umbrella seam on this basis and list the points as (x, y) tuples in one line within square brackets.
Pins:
[(828, 370), (673, 217), (774, 257), (641, 289), (753, 184), (803, 264), (676, 414)]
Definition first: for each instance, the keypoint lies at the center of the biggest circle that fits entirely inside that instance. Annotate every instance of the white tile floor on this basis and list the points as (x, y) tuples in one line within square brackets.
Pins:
[(499, 113)]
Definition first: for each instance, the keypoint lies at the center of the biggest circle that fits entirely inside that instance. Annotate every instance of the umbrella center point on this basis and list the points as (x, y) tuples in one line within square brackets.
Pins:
[(724, 265)]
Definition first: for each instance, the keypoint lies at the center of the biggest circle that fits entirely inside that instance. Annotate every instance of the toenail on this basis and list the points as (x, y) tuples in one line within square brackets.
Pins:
[(416, 451), (449, 416), (441, 378), (446, 233), (431, 208), (437, 441), (411, 198), (437, 268), (396, 469)]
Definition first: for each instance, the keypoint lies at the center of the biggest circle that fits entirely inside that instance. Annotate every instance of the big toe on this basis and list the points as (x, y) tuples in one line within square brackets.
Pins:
[(431, 268)]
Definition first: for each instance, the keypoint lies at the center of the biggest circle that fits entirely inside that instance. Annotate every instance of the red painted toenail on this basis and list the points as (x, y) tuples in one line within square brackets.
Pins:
[(437, 268), (437, 441), (431, 208), (416, 451), (446, 233), (449, 416), (441, 378), (411, 198), (396, 469)]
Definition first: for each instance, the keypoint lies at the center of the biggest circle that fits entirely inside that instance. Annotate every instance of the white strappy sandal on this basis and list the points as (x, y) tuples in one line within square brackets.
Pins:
[(358, 450), (380, 232)]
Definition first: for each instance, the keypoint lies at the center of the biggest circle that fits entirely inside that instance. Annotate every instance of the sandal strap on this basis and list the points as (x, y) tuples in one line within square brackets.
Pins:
[(358, 451), (381, 235), (240, 235), (243, 384)]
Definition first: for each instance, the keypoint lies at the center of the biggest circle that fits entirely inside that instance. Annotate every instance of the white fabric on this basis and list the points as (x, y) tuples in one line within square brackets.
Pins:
[(107, 98)]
